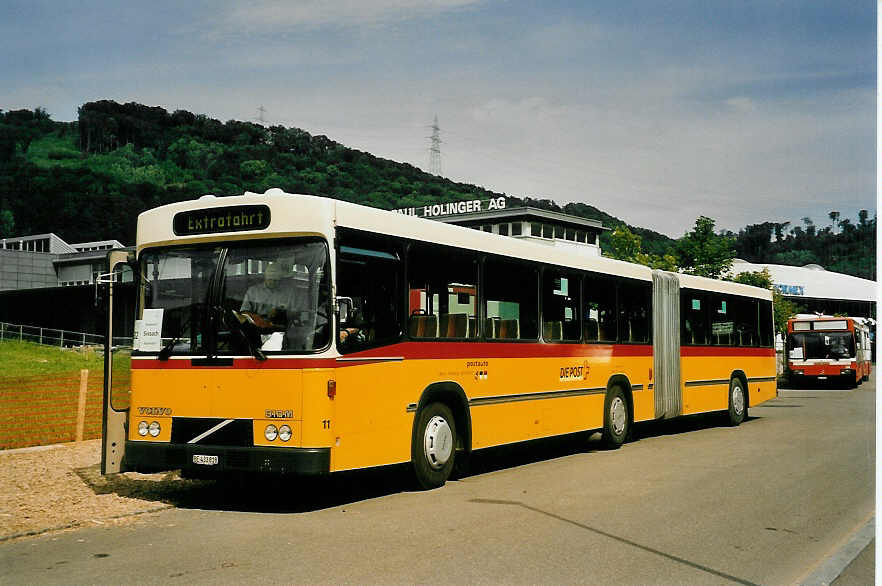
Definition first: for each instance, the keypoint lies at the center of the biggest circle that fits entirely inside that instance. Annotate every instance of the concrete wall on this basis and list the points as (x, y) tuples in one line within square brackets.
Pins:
[(26, 270)]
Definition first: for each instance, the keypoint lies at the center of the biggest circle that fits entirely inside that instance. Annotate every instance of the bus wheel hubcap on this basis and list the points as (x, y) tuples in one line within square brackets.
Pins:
[(738, 399), (618, 414), (438, 442)]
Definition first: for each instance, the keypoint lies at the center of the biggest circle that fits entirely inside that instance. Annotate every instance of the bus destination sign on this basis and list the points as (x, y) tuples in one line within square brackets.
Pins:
[(218, 220)]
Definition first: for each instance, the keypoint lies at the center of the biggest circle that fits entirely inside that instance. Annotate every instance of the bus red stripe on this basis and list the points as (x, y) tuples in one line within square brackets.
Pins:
[(454, 350), (422, 351)]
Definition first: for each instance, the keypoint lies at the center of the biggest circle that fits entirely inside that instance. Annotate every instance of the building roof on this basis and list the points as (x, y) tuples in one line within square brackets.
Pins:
[(525, 213), (813, 281), (56, 244)]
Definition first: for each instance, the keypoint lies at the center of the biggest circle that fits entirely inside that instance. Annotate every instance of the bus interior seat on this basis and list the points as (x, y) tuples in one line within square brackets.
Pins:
[(453, 325), (508, 329), (553, 330), (422, 326), (591, 329), (490, 327)]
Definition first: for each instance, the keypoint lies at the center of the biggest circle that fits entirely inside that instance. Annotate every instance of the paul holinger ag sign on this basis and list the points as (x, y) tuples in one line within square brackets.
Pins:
[(453, 208)]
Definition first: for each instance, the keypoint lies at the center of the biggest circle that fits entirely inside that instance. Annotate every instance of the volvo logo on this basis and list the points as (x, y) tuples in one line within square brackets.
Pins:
[(159, 411)]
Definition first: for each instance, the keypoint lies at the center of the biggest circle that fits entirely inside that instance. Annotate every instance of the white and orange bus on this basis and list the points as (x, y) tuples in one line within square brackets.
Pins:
[(395, 339), (824, 348)]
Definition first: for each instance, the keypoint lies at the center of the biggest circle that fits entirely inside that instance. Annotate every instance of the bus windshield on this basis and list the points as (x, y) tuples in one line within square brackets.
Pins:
[(820, 345), (236, 298)]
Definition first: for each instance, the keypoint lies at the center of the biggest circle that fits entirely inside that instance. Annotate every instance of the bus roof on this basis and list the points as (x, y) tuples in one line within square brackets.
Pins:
[(309, 215)]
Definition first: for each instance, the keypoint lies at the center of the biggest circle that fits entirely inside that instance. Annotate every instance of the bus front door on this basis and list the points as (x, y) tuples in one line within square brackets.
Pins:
[(117, 366)]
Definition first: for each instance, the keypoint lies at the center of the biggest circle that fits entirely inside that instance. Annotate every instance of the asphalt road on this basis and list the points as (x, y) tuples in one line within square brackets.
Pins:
[(686, 502)]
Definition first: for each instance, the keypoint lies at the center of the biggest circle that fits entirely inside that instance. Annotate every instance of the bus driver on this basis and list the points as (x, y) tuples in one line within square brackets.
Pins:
[(269, 304)]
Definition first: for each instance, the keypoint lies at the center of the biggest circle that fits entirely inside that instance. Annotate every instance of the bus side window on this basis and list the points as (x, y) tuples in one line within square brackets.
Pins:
[(442, 292), (766, 328), (369, 272), (635, 299), (694, 312), (599, 309), (560, 306), (511, 299)]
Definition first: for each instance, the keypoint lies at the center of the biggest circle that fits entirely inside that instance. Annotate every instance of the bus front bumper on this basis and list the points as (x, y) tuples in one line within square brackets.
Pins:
[(214, 460)]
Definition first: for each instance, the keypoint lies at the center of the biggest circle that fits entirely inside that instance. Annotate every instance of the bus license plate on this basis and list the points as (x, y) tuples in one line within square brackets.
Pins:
[(204, 460)]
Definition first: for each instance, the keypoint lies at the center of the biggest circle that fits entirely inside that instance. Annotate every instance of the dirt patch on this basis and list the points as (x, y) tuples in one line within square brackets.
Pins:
[(59, 487)]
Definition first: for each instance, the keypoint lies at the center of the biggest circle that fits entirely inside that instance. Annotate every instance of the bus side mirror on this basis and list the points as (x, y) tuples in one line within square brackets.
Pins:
[(344, 308)]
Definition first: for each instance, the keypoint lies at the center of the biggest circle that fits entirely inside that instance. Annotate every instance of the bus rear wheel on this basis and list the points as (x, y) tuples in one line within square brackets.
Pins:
[(616, 418), (737, 402), (433, 449)]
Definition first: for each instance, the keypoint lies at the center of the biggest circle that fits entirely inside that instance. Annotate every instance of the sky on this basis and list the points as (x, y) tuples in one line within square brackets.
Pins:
[(655, 112)]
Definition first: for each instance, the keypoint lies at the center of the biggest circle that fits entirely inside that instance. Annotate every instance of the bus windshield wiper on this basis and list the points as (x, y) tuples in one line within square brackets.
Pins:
[(169, 348)]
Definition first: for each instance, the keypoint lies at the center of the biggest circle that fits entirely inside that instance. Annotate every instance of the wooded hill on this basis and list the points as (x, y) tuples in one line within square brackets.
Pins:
[(88, 180)]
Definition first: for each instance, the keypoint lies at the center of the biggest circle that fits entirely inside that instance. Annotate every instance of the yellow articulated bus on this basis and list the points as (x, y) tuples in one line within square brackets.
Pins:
[(293, 334)]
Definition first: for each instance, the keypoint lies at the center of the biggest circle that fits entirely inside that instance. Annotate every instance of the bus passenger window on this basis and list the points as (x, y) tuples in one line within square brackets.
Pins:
[(442, 292), (766, 328), (511, 300), (722, 321), (693, 314), (635, 299), (599, 309), (560, 306), (746, 318)]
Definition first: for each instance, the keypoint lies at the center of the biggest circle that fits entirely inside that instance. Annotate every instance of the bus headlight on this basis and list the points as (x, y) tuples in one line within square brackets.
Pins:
[(270, 432), (142, 428), (154, 429), (285, 433)]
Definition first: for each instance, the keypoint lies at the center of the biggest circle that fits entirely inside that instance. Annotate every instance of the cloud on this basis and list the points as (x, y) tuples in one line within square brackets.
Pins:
[(276, 15), (741, 104)]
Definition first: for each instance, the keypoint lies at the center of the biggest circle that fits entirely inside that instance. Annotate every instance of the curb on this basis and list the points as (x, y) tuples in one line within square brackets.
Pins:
[(34, 532), (833, 566)]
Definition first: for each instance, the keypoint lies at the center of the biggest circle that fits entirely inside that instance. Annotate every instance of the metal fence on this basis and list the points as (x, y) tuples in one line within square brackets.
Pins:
[(56, 337)]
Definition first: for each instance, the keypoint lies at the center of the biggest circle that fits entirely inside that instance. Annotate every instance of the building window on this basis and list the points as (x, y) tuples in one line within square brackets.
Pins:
[(547, 231), (558, 231), (570, 234), (536, 229), (580, 236), (503, 229), (487, 228), (517, 228)]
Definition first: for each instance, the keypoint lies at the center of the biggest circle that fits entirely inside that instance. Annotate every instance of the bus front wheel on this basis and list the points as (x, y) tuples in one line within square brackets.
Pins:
[(737, 402), (433, 449), (616, 419)]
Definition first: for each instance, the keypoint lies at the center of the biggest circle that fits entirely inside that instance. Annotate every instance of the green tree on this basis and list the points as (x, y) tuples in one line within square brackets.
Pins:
[(7, 223), (627, 246), (705, 253), (624, 245)]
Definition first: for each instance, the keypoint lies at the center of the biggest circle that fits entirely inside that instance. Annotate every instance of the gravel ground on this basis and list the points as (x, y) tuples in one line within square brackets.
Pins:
[(60, 487)]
